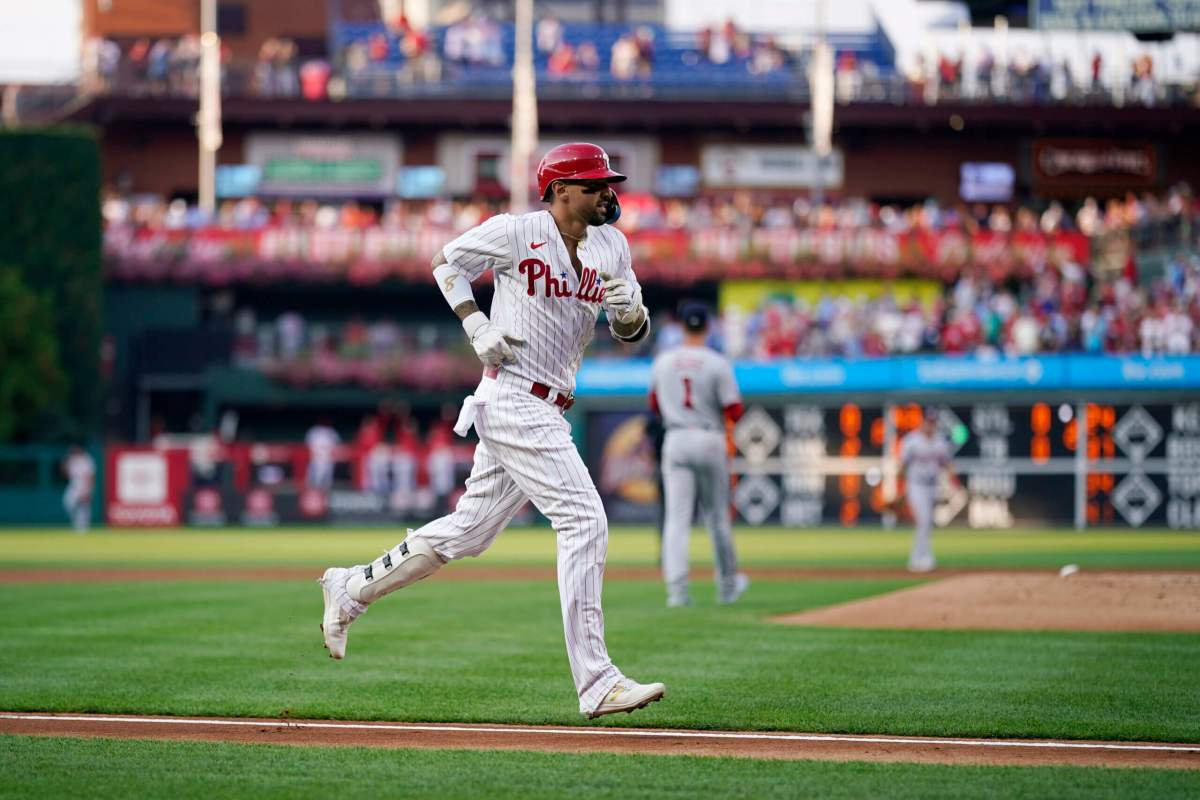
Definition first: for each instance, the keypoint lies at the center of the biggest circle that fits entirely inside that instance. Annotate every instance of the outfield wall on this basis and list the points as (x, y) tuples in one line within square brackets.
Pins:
[(1071, 440), (1050, 440), (920, 375)]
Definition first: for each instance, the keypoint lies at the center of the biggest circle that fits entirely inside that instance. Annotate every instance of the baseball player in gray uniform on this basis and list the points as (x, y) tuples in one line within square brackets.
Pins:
[(554, 271), (924, 453), (693, 388)]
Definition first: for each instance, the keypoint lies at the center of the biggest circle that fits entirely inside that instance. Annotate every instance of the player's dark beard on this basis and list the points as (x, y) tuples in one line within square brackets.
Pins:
[(592, 216), (599, 213)]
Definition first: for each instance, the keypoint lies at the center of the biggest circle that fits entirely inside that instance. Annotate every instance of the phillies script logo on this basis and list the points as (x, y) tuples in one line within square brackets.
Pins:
[(534, 270)]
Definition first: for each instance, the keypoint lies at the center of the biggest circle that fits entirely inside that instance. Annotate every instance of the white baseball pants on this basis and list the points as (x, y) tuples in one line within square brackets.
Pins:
[(525, 452)]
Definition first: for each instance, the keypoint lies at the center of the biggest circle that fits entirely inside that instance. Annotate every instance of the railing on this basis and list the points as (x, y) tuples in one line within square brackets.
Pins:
[(679, 68), (223, 256), (682, 80)]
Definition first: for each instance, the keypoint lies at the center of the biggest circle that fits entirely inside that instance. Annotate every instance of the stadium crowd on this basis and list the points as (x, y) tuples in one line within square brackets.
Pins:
[(1138, 214), (380, 60), (1105, 302), (299, 351), (1025, 78), (1061, 310), (386, 57)]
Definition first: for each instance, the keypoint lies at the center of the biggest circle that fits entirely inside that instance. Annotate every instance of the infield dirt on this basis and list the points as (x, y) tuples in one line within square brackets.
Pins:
[(1099, 601), (456, 572), (596, 739)]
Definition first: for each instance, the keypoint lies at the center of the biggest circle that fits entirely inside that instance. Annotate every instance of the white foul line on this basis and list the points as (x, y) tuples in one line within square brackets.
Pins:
[(633, 732)]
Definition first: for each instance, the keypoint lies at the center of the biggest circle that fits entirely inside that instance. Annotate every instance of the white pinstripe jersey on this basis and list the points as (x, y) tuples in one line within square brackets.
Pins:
[(538, 295), (693, 385)]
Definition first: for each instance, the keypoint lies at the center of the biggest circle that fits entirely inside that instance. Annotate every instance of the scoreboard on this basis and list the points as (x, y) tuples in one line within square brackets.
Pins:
[(1060, 463)]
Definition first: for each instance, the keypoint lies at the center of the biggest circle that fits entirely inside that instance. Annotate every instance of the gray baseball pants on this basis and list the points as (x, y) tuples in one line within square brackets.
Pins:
[(921, 498), (695, 465)]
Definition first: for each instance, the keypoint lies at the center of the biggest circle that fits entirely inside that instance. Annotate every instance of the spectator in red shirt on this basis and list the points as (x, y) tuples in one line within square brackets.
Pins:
[(378, 47), (314, 80), (562, 61), (778, 338)]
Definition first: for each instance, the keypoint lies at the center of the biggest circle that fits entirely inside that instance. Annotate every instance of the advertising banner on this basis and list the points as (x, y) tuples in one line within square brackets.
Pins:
[(608, 378), (145, 488), (1138, 16), (624, 465), (219, 256), (769, 167), (1080, 165), (324, 165), (749, 296)]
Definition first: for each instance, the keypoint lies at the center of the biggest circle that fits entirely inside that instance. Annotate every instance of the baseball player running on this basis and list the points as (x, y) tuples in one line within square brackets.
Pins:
[(692, 387), (554, 270), (924, 453)]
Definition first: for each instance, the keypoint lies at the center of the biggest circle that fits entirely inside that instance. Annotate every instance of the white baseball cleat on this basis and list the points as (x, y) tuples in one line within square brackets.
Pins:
[(922, 564), (337, 620), (741, 582), (629, 696)]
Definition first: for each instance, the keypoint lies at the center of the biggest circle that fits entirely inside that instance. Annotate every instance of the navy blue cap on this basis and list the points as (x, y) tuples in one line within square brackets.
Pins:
[(931, 413), (693, 315)]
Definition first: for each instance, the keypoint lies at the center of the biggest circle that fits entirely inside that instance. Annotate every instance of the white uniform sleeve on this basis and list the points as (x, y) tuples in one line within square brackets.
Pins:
[(484, 247), (727, 388), (624, 269), (906, 448), (625, 264)]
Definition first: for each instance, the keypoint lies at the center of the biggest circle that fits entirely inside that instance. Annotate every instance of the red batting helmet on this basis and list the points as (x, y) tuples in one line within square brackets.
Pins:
[(577, 161)]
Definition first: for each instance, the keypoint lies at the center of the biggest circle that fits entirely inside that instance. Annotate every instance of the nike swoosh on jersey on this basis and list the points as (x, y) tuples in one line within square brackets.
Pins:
[(535, 245)]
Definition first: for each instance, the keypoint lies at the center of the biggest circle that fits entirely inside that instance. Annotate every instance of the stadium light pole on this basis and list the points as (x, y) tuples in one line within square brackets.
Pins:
[(208, 120), (820, 87), (524, 113)]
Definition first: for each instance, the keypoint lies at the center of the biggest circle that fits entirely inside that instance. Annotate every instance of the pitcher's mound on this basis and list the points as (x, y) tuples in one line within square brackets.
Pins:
[(1100, 601)]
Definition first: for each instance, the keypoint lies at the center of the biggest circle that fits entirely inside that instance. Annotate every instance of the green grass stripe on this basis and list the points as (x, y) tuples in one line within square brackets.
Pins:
[(493, 652), (103, 768), (628, 545)]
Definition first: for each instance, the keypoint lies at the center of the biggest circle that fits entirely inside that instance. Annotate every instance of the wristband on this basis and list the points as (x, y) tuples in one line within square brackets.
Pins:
[(637, 335), (454, 286), (473, 323)]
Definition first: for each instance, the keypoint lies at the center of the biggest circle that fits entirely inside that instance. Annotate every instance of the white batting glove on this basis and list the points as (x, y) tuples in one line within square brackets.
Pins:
[(493, 346), (622, 299)]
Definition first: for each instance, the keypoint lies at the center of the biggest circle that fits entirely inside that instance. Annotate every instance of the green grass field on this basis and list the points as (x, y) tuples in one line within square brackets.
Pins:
[(628, 545), (120, 769), (487, 651)]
